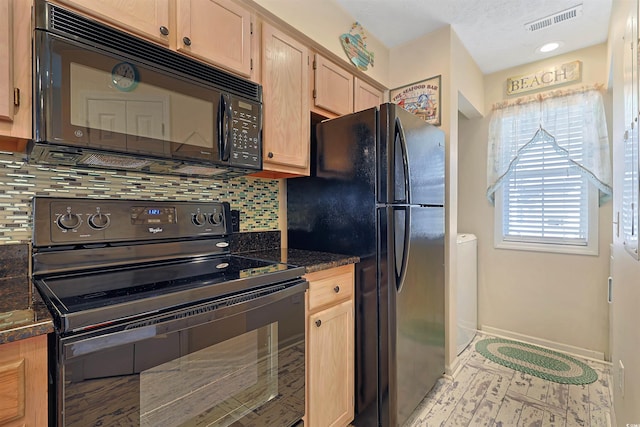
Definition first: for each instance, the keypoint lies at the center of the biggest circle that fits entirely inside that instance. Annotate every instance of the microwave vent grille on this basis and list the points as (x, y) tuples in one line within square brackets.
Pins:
[(118, 162), (68, 24), (199, 170)]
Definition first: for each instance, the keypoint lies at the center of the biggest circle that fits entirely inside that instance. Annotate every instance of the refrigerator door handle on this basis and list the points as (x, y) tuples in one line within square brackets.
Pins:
[(400, 260), (400, 155)]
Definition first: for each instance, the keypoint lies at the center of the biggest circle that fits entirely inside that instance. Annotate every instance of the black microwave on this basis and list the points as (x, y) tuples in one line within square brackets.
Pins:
[(106, 99)]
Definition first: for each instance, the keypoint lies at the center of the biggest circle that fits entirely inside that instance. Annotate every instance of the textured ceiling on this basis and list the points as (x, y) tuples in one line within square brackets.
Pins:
[(493, 31)]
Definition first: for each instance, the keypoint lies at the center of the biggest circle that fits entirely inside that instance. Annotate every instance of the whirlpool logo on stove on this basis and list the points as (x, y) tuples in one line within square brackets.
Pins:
[(155, 230)]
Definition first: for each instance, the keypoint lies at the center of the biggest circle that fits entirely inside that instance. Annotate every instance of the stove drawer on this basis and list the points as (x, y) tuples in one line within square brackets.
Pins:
[(330, 286)]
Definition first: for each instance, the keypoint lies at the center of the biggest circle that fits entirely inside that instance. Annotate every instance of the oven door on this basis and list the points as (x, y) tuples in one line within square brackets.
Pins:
[(238, 360)]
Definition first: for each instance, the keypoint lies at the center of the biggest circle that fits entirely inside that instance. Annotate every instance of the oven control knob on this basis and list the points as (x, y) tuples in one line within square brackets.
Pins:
[(68, 221), (99, 221), (216, 218), (199, 219)]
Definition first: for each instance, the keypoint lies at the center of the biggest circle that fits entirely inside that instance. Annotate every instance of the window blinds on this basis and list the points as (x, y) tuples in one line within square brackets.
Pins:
[(543, 155)]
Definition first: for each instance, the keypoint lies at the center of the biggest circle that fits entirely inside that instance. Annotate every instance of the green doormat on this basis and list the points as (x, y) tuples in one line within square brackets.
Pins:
[(540, 362)]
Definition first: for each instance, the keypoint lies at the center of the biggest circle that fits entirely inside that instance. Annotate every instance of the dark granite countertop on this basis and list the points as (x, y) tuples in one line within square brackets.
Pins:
[(22, 323), (22, 312), (266, 245), (312, 261)]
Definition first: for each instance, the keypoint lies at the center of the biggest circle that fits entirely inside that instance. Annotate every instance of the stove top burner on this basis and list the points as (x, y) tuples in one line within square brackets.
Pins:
[(128, 292), (89, 291)]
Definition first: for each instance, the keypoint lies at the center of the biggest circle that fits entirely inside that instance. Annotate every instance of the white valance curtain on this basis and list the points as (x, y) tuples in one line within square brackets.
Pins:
[(551, 119)]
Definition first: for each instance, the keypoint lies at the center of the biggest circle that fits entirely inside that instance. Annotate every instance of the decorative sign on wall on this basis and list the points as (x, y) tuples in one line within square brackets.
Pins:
[(355, 47), (549, 77), (420, 98)]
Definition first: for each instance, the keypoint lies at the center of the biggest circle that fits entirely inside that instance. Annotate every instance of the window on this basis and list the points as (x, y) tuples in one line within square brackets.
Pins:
[(542, 173), (544, 202)]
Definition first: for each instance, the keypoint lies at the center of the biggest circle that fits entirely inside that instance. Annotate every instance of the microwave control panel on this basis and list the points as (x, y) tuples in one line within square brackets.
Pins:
[(246, 131)]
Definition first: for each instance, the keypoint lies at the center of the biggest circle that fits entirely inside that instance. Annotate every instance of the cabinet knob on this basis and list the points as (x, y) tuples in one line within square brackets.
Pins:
[(318, 323), (186, 41), (336, 289), (164, 31), (270, 155)]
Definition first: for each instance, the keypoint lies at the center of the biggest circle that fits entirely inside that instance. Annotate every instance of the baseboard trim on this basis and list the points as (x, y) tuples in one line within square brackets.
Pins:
[(597, 356), (450, 371)]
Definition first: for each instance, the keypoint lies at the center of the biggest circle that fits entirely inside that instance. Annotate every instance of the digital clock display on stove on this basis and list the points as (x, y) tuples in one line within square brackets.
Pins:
[(144, 215)]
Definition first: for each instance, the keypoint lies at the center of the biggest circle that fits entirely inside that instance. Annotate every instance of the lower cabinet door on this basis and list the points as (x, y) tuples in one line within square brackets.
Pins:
[(330, 366), (23, 383)]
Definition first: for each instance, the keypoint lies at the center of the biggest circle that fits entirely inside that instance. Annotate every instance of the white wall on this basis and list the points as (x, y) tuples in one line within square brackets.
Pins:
[(626, 270), (468, 79), (553, 299)]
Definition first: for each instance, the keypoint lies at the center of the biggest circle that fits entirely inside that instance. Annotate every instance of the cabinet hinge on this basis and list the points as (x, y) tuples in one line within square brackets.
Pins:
[(314, 94), (315, 65), (16, 97)]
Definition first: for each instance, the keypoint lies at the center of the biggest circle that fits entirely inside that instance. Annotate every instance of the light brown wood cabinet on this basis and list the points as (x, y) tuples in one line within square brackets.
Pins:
[(336, 91), (286, 122), (333, 87), (229, 46), (15, 74), (145, 18), (330, 348), (185, 25), (6, 66), (365, 95), (23, 383)]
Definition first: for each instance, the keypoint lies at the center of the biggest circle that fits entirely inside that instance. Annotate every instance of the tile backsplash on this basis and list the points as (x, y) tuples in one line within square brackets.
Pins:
[(255, 198)]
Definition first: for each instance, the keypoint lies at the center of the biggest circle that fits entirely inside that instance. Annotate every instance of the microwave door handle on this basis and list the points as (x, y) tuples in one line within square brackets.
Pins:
[(224, 119), (219, 126), (227, 131)]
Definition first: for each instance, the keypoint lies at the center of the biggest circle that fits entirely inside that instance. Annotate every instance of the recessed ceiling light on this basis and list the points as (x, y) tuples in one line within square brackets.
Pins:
[(549, 47)]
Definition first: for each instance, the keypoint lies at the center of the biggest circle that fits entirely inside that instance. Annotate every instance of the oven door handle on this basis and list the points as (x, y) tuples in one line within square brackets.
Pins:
[(198, 314)]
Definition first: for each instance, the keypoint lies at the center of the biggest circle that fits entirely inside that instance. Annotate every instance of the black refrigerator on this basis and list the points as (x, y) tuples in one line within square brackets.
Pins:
[(376, 190)]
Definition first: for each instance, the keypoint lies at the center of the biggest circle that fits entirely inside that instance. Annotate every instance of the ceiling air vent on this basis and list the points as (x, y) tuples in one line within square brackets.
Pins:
[(556, 18)]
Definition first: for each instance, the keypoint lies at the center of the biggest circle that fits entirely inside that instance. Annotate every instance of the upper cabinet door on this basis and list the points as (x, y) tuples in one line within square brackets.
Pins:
[(333, 87), (15, 74), (366, 96), (147, 18), (215, 31), (285, 78), (6, 65)]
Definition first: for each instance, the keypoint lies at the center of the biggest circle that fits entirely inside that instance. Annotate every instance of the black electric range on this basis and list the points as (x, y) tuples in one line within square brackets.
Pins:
[(103, 262)]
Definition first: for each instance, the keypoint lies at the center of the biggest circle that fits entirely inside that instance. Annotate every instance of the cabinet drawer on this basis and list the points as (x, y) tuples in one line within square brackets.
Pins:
[(330, 286)]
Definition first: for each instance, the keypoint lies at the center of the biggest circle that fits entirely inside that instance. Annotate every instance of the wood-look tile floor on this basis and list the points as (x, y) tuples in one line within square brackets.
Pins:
[(485, 393)]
